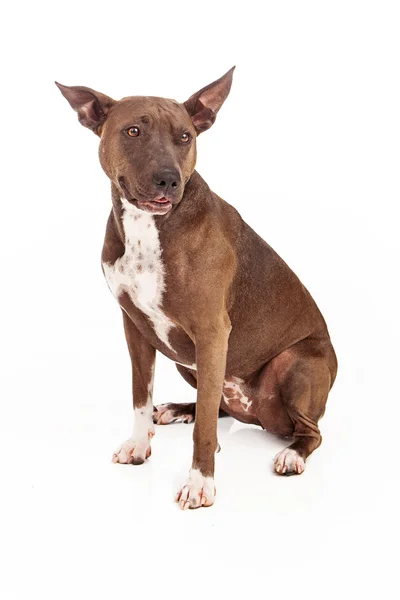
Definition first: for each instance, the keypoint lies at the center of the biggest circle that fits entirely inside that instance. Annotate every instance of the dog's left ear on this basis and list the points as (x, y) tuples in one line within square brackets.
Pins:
[(205, 104), (92, 107)]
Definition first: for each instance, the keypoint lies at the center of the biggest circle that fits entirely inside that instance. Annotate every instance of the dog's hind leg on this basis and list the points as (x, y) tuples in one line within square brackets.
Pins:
[(163, 414), (304, 392)]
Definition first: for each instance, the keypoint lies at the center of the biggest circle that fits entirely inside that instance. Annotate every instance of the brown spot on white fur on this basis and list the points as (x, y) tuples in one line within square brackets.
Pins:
[(197, 491), (141, 274), (233, 394)]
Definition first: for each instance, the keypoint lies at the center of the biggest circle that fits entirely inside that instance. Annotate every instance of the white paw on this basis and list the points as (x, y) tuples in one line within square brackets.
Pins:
[(169, 413), (288, 461), (198, 491), (134, 451)]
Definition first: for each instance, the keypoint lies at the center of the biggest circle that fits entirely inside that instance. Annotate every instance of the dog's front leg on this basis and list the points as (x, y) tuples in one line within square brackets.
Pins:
[(137, 448), (211, 348)]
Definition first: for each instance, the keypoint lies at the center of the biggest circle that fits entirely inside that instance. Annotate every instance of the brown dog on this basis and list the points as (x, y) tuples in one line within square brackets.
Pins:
[(199, 285)]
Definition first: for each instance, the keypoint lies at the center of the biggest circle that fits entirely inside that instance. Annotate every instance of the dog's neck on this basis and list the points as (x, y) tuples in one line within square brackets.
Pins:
[(188, 209)]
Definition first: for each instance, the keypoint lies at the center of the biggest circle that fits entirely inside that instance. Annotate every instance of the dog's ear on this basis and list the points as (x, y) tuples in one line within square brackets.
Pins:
[(91, 106), (205, 104)]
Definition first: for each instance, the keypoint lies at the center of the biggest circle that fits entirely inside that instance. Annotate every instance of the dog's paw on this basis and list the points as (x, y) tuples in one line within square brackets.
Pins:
[(163, 414), (198, 491), (288, 462), (134, 451)]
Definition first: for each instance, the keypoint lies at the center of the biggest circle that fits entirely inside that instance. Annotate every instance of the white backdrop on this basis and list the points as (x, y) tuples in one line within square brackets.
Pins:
[(307, 149)]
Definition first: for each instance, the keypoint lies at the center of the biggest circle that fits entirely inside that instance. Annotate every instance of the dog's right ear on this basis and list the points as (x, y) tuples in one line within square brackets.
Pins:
[(91, 106)]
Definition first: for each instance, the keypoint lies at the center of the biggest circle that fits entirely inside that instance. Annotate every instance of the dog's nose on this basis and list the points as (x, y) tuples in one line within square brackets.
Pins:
[(167, 179)]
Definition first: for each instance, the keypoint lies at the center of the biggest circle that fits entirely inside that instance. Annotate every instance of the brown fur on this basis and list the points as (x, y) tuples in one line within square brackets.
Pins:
[(239, 310)]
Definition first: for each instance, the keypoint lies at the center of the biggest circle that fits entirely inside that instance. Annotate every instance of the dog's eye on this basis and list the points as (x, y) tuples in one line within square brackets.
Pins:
[(132, 131), (185, 138)]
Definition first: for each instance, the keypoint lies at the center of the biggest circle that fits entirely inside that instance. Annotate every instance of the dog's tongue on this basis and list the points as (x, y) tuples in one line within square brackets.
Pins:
[(162, 200)]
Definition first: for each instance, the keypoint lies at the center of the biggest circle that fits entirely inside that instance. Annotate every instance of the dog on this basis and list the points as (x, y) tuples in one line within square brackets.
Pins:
[(196, 283)]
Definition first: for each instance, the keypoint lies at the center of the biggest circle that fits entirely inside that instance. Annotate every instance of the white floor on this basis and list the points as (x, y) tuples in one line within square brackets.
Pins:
[(78, 526)]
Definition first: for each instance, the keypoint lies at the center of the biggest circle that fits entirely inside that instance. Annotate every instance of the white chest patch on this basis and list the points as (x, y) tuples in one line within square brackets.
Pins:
[(140, 271)]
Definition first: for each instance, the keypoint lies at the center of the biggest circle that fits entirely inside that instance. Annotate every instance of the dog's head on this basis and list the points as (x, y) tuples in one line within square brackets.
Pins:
[(148, 145)]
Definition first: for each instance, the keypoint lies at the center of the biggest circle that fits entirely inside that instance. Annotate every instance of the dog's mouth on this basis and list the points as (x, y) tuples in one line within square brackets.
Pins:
[(158, 206)]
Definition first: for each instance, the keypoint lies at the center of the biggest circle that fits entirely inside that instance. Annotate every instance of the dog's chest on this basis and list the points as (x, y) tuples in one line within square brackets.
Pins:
[(140, 272)]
